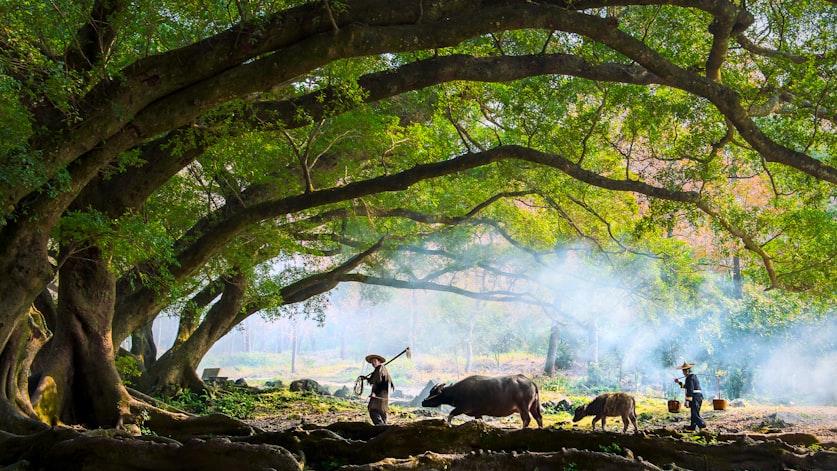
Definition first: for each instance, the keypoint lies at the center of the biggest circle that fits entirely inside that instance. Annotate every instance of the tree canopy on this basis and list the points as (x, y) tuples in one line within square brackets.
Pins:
[(220, 159)]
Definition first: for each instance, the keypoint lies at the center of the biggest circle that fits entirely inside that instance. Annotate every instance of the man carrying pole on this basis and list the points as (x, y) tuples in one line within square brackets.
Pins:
[(694, 396), (381, 383)]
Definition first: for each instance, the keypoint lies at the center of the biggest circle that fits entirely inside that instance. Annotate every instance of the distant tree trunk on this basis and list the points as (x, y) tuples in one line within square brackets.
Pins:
[(143, 346), (469, 347), (294, 344), (79, 383), (177, 368), (552, 349), (248, 347), (411, 335), (191, 315), (737, 282)]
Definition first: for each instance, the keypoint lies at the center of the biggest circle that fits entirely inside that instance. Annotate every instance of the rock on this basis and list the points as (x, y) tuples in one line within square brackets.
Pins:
[(416, 402), (779, 420), (308, 385), (737, 403), (563, 405)]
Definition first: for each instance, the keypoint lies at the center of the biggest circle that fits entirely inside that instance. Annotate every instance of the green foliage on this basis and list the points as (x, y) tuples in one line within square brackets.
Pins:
[(557, 382), (236, 402), (128, 369), (614, 448), (143, 417)]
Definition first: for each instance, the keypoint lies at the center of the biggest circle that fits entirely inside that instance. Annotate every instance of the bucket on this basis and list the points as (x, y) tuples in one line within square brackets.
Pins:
[(674, 405), (719, 404)]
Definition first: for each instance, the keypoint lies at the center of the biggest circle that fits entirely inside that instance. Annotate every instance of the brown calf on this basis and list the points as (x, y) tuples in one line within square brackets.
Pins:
[(610, 405)]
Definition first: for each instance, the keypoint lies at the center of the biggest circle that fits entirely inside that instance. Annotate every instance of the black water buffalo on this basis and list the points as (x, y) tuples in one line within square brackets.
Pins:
[(617, 404), (493, 396)]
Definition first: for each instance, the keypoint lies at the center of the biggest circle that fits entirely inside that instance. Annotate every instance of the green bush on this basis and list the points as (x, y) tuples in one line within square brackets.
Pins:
[(235, 402), (128, 369)]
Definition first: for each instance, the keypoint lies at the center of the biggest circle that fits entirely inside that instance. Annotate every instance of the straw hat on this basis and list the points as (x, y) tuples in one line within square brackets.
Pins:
[(684, 366), (372, 356)]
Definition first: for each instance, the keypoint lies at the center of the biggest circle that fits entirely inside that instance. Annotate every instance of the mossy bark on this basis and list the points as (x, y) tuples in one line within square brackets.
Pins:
[(79, 380)]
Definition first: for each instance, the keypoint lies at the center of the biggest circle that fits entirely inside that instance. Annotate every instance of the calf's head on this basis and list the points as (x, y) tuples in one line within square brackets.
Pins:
[(434, 396), (580, 413)]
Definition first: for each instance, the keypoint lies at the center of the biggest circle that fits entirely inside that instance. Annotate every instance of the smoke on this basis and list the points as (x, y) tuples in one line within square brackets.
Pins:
[(614, 334)]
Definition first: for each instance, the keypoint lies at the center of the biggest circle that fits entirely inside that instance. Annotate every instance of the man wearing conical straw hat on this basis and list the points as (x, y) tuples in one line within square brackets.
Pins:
[(694, 396), (381, 382)]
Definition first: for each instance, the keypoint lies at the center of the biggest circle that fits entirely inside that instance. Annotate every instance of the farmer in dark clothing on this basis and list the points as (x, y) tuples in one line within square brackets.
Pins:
[(694, 396), (381, 382)]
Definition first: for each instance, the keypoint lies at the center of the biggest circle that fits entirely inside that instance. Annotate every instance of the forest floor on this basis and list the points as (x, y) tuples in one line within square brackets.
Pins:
[(820, 421), (739, 417)]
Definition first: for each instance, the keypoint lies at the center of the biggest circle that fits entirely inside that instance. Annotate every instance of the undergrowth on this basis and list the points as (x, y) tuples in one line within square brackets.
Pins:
[(248, 403), (235, 402)]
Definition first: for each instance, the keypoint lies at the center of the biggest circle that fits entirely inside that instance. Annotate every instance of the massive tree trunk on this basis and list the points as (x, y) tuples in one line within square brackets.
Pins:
[(177, 368), (79, 383), (25, 270), (16, 410)]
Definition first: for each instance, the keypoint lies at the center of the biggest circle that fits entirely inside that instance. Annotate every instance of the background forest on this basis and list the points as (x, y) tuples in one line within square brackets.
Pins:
[(606, 345)]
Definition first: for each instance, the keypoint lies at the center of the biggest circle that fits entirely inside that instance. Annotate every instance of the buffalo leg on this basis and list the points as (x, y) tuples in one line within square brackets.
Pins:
[(524, 415), (535, 410), (456, 411)]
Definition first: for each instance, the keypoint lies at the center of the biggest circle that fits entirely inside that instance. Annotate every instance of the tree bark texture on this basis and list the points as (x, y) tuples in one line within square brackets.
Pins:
[(176, 368), (81, 357)]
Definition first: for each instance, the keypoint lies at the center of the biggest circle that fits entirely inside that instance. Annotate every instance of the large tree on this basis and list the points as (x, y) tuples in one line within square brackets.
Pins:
[(195, 131)]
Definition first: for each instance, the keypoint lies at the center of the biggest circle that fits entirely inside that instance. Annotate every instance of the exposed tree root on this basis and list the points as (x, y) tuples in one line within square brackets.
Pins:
[(58, 451), (422, 445), (399, 447), (560, 460), (179, 425)]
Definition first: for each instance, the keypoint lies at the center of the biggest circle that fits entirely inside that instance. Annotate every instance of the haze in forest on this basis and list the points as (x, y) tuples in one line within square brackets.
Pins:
[(602, 333)]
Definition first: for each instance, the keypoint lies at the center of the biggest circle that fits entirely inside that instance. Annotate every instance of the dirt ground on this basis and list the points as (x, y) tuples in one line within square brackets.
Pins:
[(820, 421)]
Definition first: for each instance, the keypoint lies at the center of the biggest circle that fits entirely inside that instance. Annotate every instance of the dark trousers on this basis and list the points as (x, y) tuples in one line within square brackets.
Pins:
[(694, 406), (378, 417)]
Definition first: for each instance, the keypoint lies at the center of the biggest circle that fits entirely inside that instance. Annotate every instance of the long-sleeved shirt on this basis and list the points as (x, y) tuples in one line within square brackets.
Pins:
[(380, 381), (692, 386)]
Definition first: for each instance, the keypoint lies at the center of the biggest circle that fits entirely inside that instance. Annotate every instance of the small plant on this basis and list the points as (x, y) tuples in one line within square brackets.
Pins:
[(614, 448), (144, 416), (707, 439), (189, 401)]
